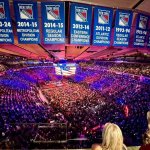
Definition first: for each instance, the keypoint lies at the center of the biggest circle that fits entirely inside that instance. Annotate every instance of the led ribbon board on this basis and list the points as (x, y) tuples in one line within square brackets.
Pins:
[(141, 30), (80, 24), (27, 22), (53, 22), (102, 26), (122, 27), (6, 32)]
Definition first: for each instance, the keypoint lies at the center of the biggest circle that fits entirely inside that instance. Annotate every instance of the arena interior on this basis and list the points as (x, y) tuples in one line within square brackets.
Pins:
[(58, 92)]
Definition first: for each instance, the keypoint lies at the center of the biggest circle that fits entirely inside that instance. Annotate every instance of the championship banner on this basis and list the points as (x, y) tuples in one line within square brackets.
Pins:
[(122, 29), (80, 24), (53, 22), (148, 36), (6, 32), (27, 22), (148, 40), (102, 26), (141, 30)]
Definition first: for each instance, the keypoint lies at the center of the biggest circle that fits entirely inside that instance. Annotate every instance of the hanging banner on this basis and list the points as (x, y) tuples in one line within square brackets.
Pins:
[(53, 22), (80, 26), (148, 35), (6, 32), (27, 22), (102, 26), (148, 41), (141, 30), (122, 29)]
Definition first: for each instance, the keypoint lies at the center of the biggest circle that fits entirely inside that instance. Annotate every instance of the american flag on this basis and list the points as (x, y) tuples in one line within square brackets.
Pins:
[(71, 70)]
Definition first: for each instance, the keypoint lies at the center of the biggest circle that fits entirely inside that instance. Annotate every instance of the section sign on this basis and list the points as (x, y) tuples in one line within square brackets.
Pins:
[(53, 22), (27, 22), (6, 32), (122, 29), (102, 26), (141, 30), (80, 24)]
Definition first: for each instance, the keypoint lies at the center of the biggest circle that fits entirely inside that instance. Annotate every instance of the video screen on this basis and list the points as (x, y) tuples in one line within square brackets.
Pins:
[(65, 69)]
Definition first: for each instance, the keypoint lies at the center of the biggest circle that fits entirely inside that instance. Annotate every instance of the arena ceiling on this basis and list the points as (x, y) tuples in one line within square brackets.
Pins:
[(76, 52)]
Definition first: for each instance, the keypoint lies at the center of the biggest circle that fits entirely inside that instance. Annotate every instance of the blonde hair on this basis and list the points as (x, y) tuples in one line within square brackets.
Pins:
[(148, 119), (112, 137)]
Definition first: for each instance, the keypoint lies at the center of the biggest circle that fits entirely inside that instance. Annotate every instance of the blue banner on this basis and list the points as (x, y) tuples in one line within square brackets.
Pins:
[(6, 32), (148, 36), (53, 22), (122, 29), (102, 26), (141, 30), (27, 22), (80, 26), (148, 40)]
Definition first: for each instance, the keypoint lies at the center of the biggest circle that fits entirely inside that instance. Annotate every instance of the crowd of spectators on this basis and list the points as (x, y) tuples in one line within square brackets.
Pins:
[(85, 102), (133, 69), (123, 67), (119, 98)]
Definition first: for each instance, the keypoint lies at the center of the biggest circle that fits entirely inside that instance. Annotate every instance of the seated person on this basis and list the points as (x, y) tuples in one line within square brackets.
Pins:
[(112, 138)]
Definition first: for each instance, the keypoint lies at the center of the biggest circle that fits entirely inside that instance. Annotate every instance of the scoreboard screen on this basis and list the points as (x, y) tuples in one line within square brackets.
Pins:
[(65, 69)]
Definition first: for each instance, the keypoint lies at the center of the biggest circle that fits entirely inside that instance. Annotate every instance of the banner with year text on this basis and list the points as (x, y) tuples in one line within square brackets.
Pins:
[(53, 22), (80, 24), (6, 32), (122, 27), (102, 26), (26, 15), (141, 30)]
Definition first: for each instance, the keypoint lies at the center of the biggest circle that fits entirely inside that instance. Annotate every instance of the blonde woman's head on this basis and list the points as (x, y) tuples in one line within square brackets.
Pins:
[(112, 137)]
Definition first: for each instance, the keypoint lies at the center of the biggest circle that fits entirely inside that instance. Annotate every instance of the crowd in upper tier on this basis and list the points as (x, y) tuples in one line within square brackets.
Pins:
[(132, 68), (85, 102)]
